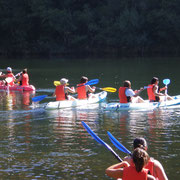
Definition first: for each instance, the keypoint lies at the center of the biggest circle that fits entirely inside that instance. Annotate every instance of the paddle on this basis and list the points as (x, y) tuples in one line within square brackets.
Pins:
[(38, 98), (166, 82), (118, 144), (91, 82), (108, 89), (9, 79), (100, 141)]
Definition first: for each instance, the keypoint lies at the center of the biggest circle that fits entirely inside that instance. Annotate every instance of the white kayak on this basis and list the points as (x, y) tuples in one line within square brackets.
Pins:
[(94, 98), (147, 105)]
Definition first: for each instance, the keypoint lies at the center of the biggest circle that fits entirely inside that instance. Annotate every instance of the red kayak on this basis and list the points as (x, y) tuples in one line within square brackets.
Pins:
[(18, 88)]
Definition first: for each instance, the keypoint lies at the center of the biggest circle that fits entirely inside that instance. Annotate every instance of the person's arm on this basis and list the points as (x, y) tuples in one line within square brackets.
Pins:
[(137, 92), (71, 90), (155, 91), (92, 90), (116, 170), (150, 177), (159, 171)]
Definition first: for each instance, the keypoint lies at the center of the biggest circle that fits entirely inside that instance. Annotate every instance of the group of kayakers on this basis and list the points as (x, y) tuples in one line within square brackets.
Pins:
[(138, 166), (10, 79), (83, 91), (126, 94)]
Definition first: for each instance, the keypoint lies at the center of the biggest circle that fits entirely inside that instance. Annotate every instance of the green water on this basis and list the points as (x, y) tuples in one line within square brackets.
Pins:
[(39, 144)]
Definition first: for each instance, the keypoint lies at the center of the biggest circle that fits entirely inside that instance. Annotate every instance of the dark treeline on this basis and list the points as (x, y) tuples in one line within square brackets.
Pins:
[(56, 27)]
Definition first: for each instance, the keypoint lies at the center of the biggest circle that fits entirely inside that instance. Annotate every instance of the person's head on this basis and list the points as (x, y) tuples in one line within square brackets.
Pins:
[(140, 158), (140, 143), (64, 81), (83, 79), (9, 69), (154, 80), (24, 70), (127, 84)]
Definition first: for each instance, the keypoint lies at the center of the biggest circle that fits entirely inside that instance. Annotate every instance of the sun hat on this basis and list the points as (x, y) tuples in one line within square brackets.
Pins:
[(64, 81), (9, 69)]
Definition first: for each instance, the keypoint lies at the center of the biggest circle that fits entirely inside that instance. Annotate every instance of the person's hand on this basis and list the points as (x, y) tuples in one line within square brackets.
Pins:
[(72, 88), (94, 87)]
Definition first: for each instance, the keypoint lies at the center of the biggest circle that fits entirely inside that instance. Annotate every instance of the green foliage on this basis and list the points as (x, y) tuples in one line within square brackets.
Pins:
[(75, 26)]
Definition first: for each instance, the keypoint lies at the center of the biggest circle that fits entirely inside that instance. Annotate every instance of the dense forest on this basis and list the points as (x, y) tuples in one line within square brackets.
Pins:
[(60, 27)]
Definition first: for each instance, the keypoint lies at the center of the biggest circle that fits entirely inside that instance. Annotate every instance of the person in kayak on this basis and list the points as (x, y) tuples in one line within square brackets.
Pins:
[(126, 94), (23, 78), (133, 171), (84, 90), (9, 74), (155, 167), (62, 90), (154, 92)]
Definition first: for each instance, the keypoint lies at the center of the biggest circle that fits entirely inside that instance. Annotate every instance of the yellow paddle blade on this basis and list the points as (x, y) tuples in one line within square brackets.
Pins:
[(109, 89), (57, 83)]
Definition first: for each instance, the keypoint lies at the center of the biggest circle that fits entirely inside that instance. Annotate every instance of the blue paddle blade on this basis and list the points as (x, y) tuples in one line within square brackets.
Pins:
[(92, 82), (99, 140), (118, 144), (166, 81), (38, 98)]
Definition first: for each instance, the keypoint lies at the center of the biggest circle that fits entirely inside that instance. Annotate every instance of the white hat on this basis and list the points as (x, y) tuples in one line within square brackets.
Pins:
[(9, 69), (64, 81)]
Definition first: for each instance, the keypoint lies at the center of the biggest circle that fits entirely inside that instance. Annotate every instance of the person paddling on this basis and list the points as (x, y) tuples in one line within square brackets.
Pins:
[(23, 78), (133, 171), (154, 92), (154, 166), (62, 90), (126, 94), (9, 74), (84, 90)]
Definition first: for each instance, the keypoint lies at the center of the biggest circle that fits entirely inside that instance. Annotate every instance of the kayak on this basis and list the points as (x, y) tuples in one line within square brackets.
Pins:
[(146, 105), (18, 88), (94, 98)]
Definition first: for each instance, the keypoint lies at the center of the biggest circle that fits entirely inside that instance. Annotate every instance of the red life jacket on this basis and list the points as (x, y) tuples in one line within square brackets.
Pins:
[(60, 95), (12, 76), (25, 79), (150, 166), (81, 91), (150, 93), (130, 173), (122, 95)]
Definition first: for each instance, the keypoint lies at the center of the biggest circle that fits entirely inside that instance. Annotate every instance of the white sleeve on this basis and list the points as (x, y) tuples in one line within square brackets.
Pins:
[(129, 92)]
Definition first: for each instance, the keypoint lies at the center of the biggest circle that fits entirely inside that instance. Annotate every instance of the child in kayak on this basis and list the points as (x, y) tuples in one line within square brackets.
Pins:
[(62, 90), (126, 94), (84, 90), (154, 166), (154, 92), (133, 171)]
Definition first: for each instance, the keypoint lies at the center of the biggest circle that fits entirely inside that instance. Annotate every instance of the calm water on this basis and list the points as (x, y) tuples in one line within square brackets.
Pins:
[(39, 144)]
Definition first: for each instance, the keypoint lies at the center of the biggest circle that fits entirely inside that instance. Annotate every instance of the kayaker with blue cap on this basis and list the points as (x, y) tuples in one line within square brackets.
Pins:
[(126, 94), (62, 91), (154, 92), (84, 90)]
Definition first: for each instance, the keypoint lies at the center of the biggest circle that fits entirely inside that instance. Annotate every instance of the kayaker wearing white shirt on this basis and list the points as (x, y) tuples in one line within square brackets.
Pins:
[(126, 94)]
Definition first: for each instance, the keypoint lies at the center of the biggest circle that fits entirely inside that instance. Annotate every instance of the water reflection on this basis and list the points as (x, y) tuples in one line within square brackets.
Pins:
[(14, 100)]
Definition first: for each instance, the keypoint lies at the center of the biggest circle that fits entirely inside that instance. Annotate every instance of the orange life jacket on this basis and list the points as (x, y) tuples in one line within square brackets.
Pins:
[(60, 95), (150, 166), (130, 173), (150, 93), (81, 91), (12, 76), (25, 79), (122, 95)]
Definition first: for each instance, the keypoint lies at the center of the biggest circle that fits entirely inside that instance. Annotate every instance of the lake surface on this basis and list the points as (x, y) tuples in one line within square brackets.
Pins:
[(40, 144)]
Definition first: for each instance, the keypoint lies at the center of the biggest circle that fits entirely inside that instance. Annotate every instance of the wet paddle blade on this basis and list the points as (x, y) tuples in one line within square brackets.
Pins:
[(118, 144), (57, 83), (99, 140), (109, 89), (166, 81), (9, 79), (92, 82), (39, 98)]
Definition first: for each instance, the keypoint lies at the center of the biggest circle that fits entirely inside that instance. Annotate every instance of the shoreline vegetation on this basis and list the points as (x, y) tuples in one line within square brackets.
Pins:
[(89, 28)]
